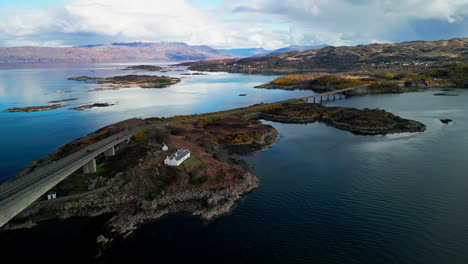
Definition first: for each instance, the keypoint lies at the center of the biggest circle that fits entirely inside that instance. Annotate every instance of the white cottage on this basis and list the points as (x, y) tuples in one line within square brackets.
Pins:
[(164, 147), (177, 158)]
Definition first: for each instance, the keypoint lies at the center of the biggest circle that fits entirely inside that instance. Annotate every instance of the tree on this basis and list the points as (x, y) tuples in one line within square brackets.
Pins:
[(388, 75)]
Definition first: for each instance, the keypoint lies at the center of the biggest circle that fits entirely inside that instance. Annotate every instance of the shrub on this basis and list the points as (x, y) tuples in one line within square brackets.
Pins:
[(205, 121), (203, 179), (219, 175), (178, 131), (388, 75), (237, 137), (198, 181), (408, 83), (139, 135), (292, 79)]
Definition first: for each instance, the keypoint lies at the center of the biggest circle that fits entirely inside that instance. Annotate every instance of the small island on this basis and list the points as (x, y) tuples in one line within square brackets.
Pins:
[(361, 122), (195, 73), (62, 100), (143, 67), (129, 81), (89, 106), (29, 109)]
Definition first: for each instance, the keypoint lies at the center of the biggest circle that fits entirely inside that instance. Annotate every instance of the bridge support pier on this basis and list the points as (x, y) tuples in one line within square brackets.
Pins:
[(90, 167), (110, 152), (334, 98), (314, 100), (328, 97)]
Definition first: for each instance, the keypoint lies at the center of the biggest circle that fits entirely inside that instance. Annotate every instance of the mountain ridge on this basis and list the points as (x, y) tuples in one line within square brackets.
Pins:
[(107, 52), (347, 57)]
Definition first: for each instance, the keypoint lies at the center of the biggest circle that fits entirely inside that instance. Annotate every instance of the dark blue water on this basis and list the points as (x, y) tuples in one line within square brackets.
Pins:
[(328, 196), (325, 196)]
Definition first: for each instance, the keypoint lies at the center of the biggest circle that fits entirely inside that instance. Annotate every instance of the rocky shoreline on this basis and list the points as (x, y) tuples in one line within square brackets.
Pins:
[(376, 88), (131, 211), (356, 121)]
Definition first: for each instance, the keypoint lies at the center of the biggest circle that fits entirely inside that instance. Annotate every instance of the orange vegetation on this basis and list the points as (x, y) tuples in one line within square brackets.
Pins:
[(237, 137), (139, 135)]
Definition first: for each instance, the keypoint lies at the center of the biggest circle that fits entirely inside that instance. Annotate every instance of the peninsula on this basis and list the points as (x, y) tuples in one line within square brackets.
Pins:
[(135, 185)]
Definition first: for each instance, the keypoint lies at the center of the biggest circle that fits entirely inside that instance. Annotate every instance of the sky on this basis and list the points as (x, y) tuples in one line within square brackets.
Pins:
[(269, 24)]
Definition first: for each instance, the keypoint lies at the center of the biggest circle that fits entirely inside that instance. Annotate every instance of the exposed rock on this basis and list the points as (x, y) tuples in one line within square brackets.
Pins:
[(62, 100), (446, 121), (446, 94), (62, 91)]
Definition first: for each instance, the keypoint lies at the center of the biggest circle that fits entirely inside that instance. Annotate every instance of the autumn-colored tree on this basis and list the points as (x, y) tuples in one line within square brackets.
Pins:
[(388, 75)]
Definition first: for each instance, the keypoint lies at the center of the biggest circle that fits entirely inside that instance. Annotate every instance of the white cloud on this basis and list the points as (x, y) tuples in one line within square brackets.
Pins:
[(235, 23)]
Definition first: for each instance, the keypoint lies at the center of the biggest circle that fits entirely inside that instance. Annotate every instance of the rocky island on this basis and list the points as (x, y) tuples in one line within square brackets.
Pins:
[(357, 121), (144, 67), (129, 81), (89, 106), (62, 100), (29, 109)]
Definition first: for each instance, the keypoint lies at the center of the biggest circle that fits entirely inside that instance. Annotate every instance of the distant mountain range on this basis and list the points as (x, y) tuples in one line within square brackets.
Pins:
[(258, 52), (113, 52), (246, 52), (346, 57), (130, 51)]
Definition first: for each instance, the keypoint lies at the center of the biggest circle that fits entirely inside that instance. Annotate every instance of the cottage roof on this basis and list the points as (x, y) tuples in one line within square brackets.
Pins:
[(179, 154)]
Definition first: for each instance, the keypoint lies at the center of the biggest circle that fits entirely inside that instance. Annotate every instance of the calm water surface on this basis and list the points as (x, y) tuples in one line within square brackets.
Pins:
[(325, 195)]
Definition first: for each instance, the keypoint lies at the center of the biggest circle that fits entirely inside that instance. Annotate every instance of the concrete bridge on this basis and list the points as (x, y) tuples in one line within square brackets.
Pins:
[(17, 194)]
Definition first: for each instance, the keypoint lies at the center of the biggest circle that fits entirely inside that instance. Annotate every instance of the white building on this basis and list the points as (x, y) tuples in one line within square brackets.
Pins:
[(164, 147), (177, 158), (51, 195)]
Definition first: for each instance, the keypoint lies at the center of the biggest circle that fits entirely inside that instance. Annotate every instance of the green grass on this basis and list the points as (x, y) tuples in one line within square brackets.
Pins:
[(77, 182), (193, 159)]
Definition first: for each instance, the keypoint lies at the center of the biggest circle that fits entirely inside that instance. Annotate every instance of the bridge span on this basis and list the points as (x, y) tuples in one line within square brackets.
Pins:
[(19, 193)]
